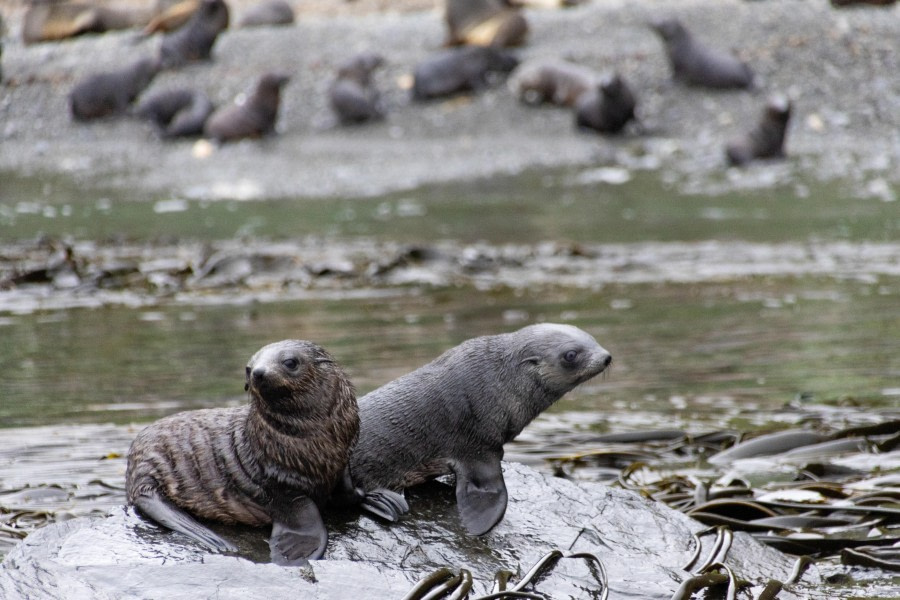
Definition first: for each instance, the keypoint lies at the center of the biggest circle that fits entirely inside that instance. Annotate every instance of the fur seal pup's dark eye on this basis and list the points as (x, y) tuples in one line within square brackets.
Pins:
[(291, 363), (570, 356)]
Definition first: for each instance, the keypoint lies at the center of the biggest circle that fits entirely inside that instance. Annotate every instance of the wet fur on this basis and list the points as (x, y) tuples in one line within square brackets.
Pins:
[(465, 404), (233, 464)]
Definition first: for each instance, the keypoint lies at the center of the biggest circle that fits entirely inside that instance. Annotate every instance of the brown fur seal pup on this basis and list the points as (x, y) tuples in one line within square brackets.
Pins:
[(109, 94), (460, 69), (49, 20), (254, 118), (766, 140), (195, 39), (179, 112), (608, 107), (352, 96), (270, 12), (274, 460), (695, 64), (484, 23), (558, 82), (454, 414)]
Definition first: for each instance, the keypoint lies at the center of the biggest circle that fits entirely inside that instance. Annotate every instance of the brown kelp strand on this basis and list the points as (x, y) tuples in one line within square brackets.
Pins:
[(445, 582)]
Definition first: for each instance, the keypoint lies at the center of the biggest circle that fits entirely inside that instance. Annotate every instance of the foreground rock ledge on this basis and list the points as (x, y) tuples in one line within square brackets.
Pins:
[(641, 543)]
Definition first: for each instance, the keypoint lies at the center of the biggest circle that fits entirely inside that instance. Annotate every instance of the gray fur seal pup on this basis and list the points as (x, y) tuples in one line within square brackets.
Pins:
[(352, 96), (766, 140), (110, 94), (269, 12), (272, 461), (454, 414), (484, 23), (194, 40), (177, 112), (558, 82), (608, 107), (254, 118), (695, 64), (467, 68)]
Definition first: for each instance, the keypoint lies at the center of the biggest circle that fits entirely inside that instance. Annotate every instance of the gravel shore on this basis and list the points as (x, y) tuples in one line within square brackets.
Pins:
[(838, 66)]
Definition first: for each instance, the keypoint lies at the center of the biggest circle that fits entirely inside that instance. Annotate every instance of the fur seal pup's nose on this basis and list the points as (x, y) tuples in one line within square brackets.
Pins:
[(258, 374), (607, 360)]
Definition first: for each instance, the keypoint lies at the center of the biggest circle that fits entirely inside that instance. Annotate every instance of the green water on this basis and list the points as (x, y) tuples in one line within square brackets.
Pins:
[(699, 353), (525, 208), (705, 353)]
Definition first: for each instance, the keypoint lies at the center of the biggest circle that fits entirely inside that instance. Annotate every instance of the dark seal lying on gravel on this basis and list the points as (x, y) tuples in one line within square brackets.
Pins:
[(693, 63), (110, 94), (454, 414), (177, 112), (458, 70), (273, 461), (268, 12)]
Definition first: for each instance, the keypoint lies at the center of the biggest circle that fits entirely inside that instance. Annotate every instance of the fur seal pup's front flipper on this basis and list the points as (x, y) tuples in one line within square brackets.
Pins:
[(480, 494), (300, 537), (168, 515), (385, 504)]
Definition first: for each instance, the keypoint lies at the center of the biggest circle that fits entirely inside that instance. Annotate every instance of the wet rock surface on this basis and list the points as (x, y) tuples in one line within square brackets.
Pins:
[(642, 545)]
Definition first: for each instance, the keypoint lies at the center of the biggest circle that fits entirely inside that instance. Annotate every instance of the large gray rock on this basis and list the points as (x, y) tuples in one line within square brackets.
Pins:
[(642, 544)]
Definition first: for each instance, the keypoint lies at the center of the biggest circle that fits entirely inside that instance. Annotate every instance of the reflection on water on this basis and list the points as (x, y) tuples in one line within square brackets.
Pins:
[(693, 355)]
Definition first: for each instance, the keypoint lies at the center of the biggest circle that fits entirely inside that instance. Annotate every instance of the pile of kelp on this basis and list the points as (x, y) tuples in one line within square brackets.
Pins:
[(805, 492)]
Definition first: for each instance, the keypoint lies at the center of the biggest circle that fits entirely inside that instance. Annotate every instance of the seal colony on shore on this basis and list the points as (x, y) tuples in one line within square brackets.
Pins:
[(272, 461), (454, 414)]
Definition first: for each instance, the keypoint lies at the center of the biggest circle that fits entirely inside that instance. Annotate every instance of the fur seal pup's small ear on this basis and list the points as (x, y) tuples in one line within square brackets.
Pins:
[(530, 359), (247, 379)]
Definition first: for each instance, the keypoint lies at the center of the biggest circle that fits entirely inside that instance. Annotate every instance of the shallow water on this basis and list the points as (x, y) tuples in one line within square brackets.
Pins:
[(724, 348)]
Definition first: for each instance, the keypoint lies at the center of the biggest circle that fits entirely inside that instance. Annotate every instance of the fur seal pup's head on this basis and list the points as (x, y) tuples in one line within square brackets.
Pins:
[(557, 358), (296, 378)]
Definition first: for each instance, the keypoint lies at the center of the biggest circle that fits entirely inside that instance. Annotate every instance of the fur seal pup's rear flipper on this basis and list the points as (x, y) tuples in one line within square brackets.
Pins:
[(300, 537), (480, 494), (157, 508), (385, 504)]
